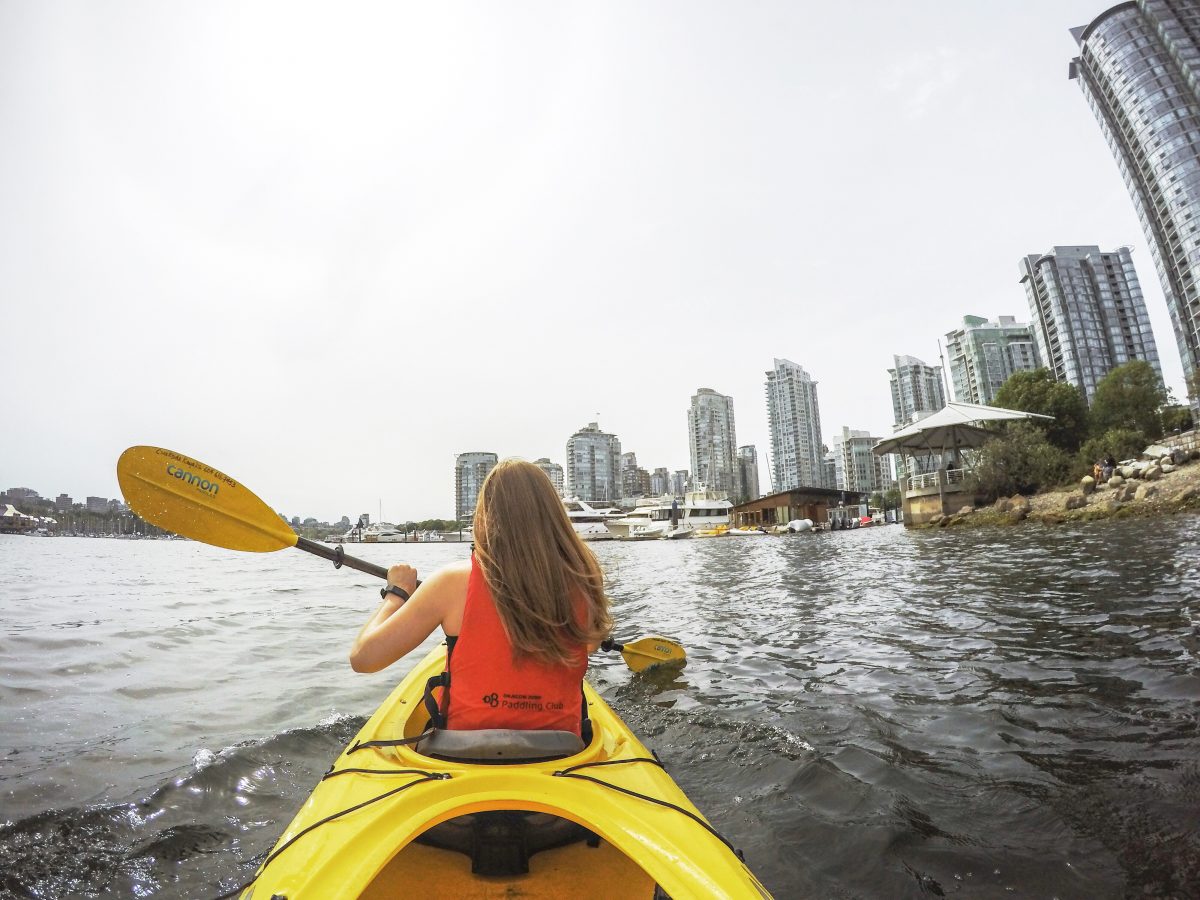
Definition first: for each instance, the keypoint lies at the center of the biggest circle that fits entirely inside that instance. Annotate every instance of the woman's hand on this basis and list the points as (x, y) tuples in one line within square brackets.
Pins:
[(403, 576)]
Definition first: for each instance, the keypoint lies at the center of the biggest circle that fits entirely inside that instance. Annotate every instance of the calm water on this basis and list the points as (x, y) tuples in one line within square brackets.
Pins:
[(1008, 713)]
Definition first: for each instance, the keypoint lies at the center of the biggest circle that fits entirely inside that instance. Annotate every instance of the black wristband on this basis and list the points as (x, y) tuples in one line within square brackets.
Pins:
[(392, 589)]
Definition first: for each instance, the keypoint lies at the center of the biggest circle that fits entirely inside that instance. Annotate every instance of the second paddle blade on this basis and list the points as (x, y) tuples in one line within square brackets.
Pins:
[(647, 652), (187, 497)]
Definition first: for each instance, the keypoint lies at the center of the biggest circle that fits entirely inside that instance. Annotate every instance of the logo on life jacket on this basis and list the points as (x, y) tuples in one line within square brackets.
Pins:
[(491, 700)]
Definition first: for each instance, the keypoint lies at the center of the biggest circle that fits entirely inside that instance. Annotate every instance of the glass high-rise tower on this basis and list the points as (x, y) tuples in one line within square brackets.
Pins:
[(712, 441), (1088, 314), (795, 427), (469, 471), (1139, 68)]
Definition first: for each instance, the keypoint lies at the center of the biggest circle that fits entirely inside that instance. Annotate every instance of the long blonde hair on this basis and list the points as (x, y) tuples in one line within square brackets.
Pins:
[(536, 566)]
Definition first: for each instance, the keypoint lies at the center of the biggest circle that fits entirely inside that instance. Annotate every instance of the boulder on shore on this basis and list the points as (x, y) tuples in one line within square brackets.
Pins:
[(1087, 484), (1075, 501), (1116, 481), (1145, 492)]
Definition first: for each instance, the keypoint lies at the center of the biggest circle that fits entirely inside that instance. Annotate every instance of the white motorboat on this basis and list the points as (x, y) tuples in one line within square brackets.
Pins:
[(705, 510), (382, 533), (645, 522), (588, 521)]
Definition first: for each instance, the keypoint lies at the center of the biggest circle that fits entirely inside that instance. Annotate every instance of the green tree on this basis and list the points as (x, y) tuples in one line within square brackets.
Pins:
[(1020, 459), (1038, 392), (1129, 397), (1176, 418)]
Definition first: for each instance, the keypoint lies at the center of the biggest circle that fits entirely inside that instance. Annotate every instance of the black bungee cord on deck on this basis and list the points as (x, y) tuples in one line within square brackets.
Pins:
[(425, 776), (572, 772)]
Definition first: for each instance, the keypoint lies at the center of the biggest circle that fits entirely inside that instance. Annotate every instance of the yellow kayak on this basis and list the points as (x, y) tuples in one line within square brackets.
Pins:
[(497, 814)]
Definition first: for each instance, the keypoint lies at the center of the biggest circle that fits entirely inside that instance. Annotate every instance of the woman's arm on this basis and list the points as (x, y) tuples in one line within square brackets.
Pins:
[(397, 628)]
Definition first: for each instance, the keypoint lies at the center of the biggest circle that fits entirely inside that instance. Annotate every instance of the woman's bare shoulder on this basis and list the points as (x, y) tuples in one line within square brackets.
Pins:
[(453, 573)]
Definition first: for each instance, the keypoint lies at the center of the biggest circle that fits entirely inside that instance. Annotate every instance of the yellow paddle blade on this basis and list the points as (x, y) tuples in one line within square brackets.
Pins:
[(648, 652), (194, 500)]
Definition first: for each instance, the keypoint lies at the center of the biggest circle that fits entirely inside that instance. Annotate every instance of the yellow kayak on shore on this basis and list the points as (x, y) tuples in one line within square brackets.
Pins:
[(497, 814)]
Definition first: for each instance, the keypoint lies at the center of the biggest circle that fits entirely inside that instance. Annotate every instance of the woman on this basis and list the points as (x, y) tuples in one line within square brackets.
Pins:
[(520, 616)]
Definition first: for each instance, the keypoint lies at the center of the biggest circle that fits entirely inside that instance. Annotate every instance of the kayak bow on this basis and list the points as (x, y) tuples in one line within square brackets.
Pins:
[(388, 820)]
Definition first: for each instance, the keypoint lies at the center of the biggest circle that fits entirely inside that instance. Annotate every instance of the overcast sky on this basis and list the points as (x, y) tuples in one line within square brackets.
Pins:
[(324, 248)]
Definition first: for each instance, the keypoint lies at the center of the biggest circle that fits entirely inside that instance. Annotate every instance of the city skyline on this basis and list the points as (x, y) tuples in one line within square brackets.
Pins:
[(571, 215)]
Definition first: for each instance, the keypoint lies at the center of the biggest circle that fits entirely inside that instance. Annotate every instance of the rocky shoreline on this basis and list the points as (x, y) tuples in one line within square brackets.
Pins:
[(1163, 482)]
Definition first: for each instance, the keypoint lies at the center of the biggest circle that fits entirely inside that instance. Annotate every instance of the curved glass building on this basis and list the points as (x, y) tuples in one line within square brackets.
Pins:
[(1139, 68)]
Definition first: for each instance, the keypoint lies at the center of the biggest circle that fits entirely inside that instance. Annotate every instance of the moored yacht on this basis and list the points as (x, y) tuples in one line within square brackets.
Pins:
[(706, 511), (589, 521), (645, 522), (382, 533)]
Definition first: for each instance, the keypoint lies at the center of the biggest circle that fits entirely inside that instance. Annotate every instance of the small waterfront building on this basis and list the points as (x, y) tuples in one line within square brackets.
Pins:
[(820, 505), (13, 521)]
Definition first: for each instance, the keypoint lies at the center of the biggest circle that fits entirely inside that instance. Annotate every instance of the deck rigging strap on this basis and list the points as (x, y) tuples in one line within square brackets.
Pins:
[(425, 776), (573, 772)]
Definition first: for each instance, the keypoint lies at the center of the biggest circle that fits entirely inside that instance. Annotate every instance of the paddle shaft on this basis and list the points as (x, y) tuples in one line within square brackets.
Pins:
[(339, 558)]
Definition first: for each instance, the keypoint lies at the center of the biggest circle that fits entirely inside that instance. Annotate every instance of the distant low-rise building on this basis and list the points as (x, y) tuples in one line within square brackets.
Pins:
[(97, 504)]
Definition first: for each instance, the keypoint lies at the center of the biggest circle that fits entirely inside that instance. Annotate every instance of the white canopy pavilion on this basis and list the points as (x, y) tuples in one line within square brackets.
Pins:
[(954, 428)]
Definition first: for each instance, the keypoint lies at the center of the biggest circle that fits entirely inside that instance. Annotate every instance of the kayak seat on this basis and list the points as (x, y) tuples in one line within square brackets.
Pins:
[(500, 746), (500, 843)]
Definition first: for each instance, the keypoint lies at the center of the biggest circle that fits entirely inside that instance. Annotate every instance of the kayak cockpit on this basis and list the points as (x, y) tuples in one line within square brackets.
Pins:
[(508, 853), (499, 746)]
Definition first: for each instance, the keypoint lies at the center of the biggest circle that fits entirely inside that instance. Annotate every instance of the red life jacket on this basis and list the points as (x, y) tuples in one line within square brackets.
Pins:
[(489, 690)]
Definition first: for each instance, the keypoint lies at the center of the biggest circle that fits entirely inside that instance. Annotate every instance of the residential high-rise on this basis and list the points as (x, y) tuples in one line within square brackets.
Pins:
[(1087, 313), (635, 481), (469, 471), (660, 482), (679, 482), (1139, 69), (856, 467), (795, 420), (983, 355), (553, 471), (593, 470), (747, 459), (712, 441), (917, 389)]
